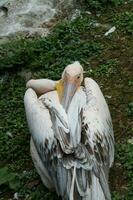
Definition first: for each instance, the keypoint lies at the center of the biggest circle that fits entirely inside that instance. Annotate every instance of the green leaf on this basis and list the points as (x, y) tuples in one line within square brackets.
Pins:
[(9, 178)]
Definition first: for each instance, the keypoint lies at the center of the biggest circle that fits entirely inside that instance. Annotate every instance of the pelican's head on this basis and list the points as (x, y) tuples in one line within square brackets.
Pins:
[(71, 80)]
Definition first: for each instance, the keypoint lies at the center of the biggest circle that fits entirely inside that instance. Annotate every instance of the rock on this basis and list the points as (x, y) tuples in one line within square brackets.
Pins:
[(49, 24), (108, 96), (25, 74), (9, 134), (110, 31), (88, 12), (130, 141), (75, 14), (15, 196)]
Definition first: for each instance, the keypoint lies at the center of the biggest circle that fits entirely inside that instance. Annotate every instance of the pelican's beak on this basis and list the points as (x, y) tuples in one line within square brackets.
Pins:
[(70, 88)]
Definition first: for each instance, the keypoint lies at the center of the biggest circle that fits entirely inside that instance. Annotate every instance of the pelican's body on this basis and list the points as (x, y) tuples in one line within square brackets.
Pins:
[(72, 142)]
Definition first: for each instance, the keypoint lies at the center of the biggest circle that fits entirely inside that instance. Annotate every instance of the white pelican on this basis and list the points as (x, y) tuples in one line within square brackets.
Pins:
[(72, 142)]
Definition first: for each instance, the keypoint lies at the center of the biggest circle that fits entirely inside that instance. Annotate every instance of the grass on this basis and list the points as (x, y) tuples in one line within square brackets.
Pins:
[(106, 59)]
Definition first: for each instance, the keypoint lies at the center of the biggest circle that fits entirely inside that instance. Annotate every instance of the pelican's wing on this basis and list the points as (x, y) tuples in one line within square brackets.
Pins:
[(40, 126), (98, 124), (47, 121), (48, 126), (38, 119), (41, 86), (97, 132)]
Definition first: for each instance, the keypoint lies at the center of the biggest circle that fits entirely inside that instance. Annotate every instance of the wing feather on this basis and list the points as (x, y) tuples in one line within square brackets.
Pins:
[(97, 123), (62, 144), (97, 131), (38, 119), (48, 126)]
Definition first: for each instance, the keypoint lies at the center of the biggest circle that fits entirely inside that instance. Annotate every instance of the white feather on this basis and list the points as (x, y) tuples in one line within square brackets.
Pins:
[(49, 122)]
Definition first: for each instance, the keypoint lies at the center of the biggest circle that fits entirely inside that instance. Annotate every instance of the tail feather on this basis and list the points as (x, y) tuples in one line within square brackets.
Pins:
[(93, 190), (72, 184), (96, 190)]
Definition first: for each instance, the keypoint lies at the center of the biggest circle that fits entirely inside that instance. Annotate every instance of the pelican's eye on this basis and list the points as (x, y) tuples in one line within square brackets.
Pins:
[(78, 77)]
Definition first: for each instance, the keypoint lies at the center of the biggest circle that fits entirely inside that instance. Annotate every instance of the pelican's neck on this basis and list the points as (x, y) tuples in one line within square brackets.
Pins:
[(60, 88)]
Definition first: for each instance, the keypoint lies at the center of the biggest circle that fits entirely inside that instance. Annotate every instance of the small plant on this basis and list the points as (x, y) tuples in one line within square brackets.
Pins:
[(116, 196), (124, 153), (130, 83), (99, 4), (124, 22), (130, 109), (8, 178), (107, 69)]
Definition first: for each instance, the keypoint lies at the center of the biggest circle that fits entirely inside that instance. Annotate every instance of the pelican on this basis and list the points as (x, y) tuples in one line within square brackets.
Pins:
[(72, 142)]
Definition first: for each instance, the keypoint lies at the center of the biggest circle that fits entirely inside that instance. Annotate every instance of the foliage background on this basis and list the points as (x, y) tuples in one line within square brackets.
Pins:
[(106, 59)]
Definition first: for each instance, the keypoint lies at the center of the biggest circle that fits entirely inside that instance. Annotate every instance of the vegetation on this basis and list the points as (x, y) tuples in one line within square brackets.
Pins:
[(107, 59), (124, 22), (99, 4), (63, 46)]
